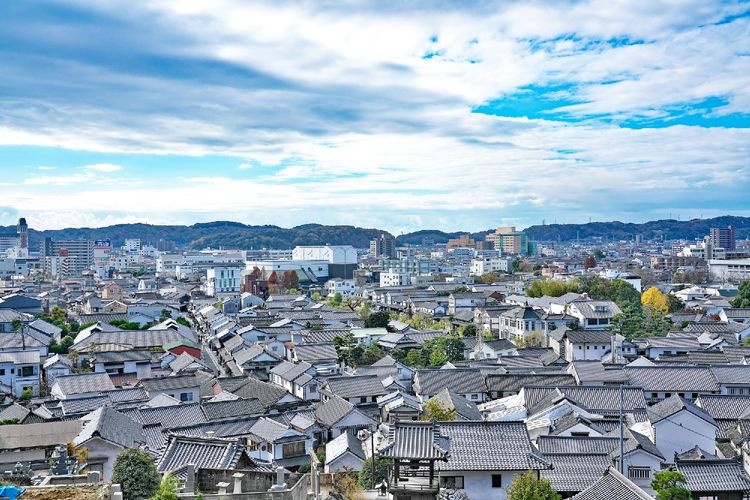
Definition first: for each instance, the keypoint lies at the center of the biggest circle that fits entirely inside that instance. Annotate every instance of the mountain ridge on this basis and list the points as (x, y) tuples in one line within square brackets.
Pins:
[(232, 234)]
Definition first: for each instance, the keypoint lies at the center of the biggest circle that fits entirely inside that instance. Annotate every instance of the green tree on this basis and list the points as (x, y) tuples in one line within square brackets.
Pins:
[(743, 295), (435, 409), (378, 319), (16, 325), (438, 357), (674, 304), (414, 359), (528, 487), (670, 485), (182, 321), (381, 472), (336, 300), (165, 314), (136, 473), (58, 314), (167, 488), (469, 330), (551, 288), (344, 345), (26, 394)]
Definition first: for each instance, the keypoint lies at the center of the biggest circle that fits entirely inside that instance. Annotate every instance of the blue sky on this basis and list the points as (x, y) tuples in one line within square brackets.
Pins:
[(457, 115)]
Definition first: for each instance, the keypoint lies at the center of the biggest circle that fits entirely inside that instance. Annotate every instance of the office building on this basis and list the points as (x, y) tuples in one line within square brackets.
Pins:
[(723, 238), (383, 246)]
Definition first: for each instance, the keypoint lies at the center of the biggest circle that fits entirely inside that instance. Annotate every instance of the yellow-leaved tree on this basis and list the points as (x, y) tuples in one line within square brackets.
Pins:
[(654, 299)]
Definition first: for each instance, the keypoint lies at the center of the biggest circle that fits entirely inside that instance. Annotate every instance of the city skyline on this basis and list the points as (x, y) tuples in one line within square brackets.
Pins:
[(457, 117)]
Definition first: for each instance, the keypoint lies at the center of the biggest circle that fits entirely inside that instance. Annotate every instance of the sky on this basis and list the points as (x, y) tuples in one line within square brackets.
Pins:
[(451, 115)]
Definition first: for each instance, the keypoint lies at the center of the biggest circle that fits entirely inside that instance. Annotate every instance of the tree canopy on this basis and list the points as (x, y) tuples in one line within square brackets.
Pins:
[(670, 485), (743, 295), (528, 487), (136, 473), (654, 299)]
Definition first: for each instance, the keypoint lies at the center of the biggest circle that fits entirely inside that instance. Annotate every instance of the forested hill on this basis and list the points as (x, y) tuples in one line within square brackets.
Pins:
[(216, 234), (668, 228), (237, 235)]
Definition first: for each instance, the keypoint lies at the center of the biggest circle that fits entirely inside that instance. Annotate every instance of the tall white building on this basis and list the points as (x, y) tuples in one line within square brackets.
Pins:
[(224, 279)]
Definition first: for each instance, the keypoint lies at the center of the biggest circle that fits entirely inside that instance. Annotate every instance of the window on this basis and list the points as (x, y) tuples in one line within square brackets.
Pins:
[(452, 482), (186, 396), (2, 371), (295, 449), (363, 399), (27, 371), (497, 480), (639, 472)]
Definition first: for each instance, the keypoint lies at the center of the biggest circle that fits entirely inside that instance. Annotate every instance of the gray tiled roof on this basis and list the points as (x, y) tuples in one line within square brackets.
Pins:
[(332, 410), (564, 445), (575, 473), (169, 416), (712, 476), (112, 426), (461, 381), (416, 440), (313, 353), (595, 371), (266, 393), (514, 382), (170, 383), (613, 486), (672, 378), (122, 356), (232, 408), (723, 406), (673, 404), (732, 375), (634, 441), (595, 398), (355, 386), (84, 382), (465, 409), (206, 453), (490, 446), (81, 406), (14, 411), (589, 336)]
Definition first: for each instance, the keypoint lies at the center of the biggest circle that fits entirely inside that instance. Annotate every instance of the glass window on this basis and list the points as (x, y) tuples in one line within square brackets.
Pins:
[(497, 480)]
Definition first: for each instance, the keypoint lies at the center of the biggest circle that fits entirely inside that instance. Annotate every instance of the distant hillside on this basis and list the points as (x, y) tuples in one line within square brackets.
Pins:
[(237, 235), (216, 234), (669, 229)]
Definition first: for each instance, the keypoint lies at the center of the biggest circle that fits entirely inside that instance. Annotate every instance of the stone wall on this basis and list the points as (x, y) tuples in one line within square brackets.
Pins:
[(297, 492)]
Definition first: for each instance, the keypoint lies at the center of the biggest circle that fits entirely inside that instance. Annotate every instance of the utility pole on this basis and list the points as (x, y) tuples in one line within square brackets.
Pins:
[(372, 456), (622, 429)]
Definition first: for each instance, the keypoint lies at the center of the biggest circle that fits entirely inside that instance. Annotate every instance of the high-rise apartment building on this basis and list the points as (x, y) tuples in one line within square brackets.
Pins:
[(81, 250), (509, 241), (723, 238), (383, 246)]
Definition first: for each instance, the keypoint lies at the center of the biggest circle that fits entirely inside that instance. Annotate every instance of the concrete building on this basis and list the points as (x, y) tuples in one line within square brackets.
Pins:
[(509, 241), (224, 279), (733, 271), (394, 278), (723, 238), (81, 250), (341, 259), (383, 246)]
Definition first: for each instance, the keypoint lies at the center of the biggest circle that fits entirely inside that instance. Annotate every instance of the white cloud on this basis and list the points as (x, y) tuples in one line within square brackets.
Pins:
[(103, 167), (342, 100)]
